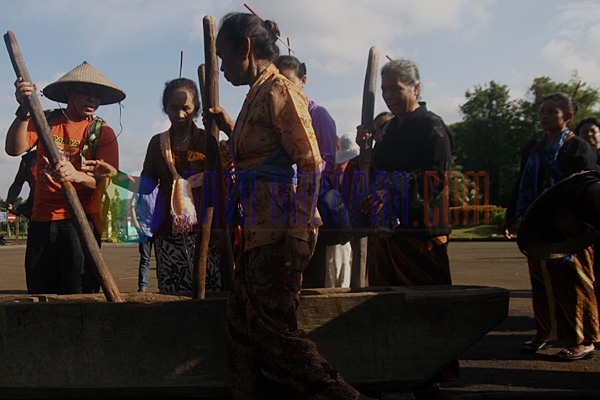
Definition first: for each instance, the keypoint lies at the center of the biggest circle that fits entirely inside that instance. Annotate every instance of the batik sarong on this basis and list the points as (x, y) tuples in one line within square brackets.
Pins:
[(174, 264), (564, 301), (406, 260), (269, 357)]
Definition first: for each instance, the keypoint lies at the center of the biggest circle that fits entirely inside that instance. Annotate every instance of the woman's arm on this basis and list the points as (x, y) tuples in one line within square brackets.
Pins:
[(100, 169), (223, 120)]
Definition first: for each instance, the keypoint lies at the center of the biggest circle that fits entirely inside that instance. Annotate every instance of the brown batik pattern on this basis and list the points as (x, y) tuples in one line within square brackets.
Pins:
[(564, 301), (269, 357), (405, 260)]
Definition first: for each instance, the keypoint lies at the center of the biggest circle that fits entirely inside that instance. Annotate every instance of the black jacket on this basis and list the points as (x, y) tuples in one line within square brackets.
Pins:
[(415, 156)]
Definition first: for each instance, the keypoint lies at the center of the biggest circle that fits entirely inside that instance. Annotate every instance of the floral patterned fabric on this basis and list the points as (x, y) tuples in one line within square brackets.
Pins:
[(269, 357), (275, 115), (267, 353), (174, 264)]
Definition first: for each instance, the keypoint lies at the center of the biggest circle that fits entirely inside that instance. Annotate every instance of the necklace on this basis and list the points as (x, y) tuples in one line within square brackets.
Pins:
[(180, 144)]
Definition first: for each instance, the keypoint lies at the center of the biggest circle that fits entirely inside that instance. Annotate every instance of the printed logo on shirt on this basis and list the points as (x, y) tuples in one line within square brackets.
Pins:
[(64, 142)]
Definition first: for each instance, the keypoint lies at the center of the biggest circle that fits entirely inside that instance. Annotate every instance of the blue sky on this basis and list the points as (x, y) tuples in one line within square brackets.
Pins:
[(457, 45)]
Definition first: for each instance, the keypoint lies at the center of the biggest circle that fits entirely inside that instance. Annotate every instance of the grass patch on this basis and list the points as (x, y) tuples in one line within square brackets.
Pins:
[(477, 232)]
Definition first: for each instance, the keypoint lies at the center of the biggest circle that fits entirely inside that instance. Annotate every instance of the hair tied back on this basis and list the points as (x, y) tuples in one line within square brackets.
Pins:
[(273, 29)]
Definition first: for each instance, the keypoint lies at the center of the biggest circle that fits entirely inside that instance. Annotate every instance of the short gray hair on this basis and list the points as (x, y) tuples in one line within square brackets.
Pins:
[(404, 69)]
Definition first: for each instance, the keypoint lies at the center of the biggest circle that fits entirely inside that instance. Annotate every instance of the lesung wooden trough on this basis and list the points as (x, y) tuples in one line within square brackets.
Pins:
[(81, 346)]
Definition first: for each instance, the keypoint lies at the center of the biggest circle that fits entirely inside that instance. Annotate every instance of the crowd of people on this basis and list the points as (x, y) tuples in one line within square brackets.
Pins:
[(284, 147)]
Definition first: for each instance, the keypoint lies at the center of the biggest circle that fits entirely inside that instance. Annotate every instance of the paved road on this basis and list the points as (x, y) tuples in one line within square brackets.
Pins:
[(122, 260), (492, 369), (494, 364)]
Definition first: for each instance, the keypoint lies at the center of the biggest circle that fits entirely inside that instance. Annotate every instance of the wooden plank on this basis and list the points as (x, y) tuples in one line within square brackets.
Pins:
[(373, 337)]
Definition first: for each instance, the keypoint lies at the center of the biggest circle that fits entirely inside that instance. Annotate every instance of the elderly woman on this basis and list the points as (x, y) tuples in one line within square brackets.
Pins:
[(410, 160), (273, 131), (407, 207)]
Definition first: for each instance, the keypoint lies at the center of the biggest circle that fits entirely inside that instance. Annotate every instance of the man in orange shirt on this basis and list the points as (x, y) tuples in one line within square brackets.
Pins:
[(55, 260)]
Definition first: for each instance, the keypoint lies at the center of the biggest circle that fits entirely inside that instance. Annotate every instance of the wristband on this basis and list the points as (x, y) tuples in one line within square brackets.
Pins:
[(21, 115)]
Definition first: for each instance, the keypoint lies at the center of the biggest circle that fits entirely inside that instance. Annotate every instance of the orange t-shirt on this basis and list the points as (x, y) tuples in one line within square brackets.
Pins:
[(70, 137)]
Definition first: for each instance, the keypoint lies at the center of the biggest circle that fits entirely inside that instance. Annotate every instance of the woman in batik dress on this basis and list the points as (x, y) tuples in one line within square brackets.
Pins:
[(564, 302), (175, 162), (266, 350)]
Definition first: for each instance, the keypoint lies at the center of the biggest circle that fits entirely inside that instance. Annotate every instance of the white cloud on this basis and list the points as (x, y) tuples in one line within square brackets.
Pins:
[(574, 46), (136, 44), (335, 35), (346, 113), (447, 107), (160, 125)]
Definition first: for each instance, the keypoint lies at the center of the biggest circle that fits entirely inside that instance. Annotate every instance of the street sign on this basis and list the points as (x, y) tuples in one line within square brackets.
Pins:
[(2, 216), (12, 218)]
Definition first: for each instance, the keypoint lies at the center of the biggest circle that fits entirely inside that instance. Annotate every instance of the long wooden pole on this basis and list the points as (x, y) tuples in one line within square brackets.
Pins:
[(359, 244), (70, 194), (203, 240), (227, 264), (211, 92), (202, 80)]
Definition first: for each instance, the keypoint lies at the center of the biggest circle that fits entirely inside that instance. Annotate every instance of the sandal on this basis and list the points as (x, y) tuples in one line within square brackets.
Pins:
[(533, 346), (569, 355)]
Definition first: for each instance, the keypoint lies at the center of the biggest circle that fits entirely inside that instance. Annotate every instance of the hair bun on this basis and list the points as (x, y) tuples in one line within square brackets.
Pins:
[(273, 29)]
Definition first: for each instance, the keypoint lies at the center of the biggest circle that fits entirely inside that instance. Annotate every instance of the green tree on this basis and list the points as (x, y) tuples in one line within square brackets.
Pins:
[(495, 129), (489, 138), (117, 211), (586, 97)]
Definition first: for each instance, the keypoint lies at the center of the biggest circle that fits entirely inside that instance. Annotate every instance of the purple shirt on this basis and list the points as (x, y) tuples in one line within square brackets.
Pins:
[(325, 131)]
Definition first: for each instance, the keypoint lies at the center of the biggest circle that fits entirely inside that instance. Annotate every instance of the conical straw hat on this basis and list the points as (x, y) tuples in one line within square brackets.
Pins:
[(109, 93)]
